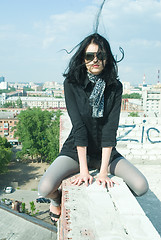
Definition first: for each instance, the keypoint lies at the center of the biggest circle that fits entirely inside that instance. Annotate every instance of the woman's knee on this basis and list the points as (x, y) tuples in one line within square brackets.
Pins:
[(45, 187), (141, 187)]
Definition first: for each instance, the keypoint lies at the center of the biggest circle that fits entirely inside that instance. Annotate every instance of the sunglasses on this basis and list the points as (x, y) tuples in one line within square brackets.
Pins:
[(89, 56)]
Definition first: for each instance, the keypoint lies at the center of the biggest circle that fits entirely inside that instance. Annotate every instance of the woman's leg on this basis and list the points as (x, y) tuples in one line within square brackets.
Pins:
[(130, 174), (61, 168)]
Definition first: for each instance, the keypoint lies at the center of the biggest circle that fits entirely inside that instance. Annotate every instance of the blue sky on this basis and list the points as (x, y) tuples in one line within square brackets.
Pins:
[(33, 32)]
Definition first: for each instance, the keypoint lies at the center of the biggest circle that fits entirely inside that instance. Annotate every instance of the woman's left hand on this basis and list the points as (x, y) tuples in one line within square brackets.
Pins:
[(105, 181)]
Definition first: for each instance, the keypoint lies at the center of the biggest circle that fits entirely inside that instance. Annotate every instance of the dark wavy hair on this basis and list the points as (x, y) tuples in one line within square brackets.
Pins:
[(76, 71)]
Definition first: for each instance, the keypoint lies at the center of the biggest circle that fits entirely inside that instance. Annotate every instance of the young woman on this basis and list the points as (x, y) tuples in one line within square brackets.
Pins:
[(93, 100)]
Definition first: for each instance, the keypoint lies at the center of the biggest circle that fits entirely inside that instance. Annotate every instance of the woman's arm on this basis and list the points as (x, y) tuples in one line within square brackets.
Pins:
[(106, 153), (82, 155), (80, 135), (84, 175), (103, 175)]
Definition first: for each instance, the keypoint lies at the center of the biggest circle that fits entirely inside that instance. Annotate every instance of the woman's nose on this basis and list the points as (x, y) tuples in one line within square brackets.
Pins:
[(95, 59)]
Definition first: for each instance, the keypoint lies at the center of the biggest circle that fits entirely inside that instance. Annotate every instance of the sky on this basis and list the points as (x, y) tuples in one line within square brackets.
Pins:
[(34, 32)]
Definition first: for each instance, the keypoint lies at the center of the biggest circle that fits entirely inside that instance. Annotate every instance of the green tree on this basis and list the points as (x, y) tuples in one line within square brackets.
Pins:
[(5, 154), (133, 114), (19, 102), (4, 143), (7, 91), (23, 205), (32, 207), (28, 89), (53, 137), (132, 95), (36, 131), (8, 104)]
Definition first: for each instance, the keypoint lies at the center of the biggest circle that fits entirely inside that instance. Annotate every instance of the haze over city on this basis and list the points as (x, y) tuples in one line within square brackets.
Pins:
[(32, 33)]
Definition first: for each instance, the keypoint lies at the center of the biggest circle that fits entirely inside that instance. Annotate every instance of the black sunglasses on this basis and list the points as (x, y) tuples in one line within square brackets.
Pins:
[(89, 56)]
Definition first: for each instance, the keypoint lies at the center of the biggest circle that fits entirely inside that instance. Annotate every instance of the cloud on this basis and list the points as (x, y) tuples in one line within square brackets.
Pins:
[(7, 27), (132, 19), (48, 41), (67, 28), (121, 20), (132, 24), (144, 43)]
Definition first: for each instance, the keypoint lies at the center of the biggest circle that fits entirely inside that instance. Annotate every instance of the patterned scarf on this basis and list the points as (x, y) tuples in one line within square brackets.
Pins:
[(97, 96)]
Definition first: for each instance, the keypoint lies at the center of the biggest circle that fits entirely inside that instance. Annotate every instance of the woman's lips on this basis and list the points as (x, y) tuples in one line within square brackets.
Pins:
[(96, 65)]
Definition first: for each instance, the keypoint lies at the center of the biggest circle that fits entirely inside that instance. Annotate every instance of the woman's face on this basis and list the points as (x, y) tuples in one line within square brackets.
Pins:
[(94, 59)]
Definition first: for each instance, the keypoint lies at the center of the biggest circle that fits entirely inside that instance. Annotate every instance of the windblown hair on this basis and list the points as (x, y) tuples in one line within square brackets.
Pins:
[(76, 71)]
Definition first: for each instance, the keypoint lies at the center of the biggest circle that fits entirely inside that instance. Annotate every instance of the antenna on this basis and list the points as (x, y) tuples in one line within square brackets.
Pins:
[(144, 79), (158, 76)]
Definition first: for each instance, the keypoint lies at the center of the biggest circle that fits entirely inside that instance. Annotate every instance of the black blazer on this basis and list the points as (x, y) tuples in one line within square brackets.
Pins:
[(94, 133)]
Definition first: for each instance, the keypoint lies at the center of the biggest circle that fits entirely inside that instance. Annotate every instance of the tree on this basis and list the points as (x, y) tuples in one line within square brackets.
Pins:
[(5, 154), (37, 133), (28, 89), (7, 91), (19, 103), (32, 207), (53, 137), (133, 114), (8, 104), (132, 95)]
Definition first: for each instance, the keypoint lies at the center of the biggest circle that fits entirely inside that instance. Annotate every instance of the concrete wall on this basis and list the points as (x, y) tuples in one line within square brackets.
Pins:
[(139, 139)]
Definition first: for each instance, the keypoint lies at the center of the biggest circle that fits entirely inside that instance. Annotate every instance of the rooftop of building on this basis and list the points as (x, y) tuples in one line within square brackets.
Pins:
[(7, 115), (37, 98)]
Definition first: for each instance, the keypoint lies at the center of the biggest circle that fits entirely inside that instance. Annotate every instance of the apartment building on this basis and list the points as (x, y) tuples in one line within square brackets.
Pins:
[(53, 92), (8, 120), (42, 102), (131, 105), (151, 102)]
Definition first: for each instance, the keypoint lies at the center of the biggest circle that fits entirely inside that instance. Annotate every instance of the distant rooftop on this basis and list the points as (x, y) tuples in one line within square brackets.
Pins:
[(7, 115)]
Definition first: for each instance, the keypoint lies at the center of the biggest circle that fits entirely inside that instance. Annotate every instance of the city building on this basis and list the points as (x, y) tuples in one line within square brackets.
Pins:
[(18, 86), (37, 88), (126, 87), (42, 102), (151, 102), (129, 89), (52, 96), (3, 85), (2, 79), (38, 93), (52, 85), (8, 121), (131, 105), (48, 92)]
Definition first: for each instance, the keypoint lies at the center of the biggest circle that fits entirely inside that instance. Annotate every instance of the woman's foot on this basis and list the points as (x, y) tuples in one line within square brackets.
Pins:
[(55, 213)]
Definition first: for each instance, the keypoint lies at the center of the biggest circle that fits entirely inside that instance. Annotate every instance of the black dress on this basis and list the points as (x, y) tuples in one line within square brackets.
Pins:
[(94, 133)]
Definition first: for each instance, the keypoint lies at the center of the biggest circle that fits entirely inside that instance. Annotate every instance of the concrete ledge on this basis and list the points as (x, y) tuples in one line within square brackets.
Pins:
[(93, 213)]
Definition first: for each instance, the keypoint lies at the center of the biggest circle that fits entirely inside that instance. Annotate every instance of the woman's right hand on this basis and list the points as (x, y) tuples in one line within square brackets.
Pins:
[(83, 177)]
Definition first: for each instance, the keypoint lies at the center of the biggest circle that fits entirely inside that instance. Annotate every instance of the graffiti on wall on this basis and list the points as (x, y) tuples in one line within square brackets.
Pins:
[(129, 128)]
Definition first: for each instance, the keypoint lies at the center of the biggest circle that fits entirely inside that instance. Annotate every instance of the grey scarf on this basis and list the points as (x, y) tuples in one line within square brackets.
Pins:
[(96, 98)]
